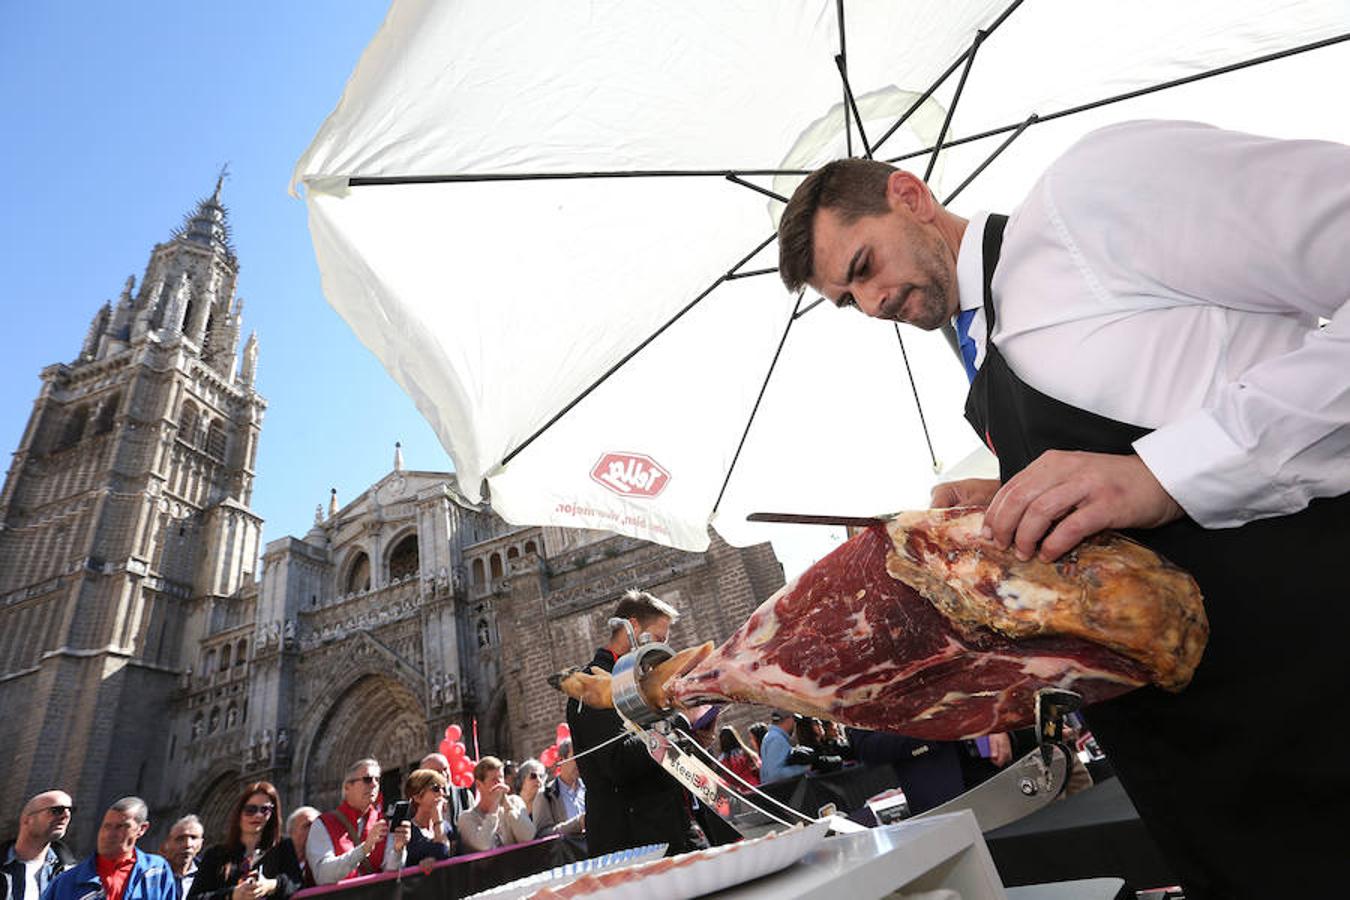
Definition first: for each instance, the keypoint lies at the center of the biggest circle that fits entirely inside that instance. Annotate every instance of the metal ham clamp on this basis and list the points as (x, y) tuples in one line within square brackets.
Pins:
[(1027, 784), (747, 809), (1022, 787)]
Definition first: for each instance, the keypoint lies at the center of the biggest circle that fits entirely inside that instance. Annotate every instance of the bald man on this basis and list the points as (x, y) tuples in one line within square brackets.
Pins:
[(37, 855)]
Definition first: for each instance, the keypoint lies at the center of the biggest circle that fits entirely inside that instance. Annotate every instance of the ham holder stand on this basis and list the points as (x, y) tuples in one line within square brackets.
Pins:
[(1021, 788)]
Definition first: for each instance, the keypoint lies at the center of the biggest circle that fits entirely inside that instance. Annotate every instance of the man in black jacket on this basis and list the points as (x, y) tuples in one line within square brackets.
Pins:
[(630, 801), (29, 862)]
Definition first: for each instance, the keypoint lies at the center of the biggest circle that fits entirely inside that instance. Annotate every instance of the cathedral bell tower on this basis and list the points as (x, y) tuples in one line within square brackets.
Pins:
[(126, 535)]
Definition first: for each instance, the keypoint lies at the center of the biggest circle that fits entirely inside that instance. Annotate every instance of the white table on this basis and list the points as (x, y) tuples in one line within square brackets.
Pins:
[(924, 855)]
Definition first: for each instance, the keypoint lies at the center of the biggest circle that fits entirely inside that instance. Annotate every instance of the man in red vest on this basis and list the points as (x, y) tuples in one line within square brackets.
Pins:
[(349, 841)]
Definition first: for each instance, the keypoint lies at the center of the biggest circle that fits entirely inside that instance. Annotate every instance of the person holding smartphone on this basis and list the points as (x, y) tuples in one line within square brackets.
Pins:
[(418, 835), (349, 841)]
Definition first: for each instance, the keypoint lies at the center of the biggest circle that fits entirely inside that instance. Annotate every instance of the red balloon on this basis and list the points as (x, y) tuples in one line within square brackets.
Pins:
[(444, 748), (454, 751), (563, 732), (464, 781), (453, 732), (549, 756)]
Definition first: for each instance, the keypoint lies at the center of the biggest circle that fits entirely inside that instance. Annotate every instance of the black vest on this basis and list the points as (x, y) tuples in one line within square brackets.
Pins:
[(1238, 777)]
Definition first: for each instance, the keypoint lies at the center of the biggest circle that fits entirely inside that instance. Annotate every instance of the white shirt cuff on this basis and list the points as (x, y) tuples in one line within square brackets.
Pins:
[(1217, 482)]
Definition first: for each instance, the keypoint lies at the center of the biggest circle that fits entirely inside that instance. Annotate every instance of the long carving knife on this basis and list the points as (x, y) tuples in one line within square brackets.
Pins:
[(800, 519)]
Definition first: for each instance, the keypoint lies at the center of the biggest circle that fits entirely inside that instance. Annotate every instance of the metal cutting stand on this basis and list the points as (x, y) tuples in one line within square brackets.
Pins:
[(1024, 786)]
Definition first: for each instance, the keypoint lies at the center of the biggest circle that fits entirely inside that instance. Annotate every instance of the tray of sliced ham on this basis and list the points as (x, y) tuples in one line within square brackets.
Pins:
[(565, 874), (693, 874)]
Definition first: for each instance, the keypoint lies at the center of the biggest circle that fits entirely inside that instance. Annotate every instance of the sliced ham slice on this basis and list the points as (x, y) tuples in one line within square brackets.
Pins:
[(919, 628)]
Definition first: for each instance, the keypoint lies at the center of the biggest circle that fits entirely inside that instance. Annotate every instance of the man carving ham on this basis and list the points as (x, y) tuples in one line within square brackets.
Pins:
[(1143, 335)]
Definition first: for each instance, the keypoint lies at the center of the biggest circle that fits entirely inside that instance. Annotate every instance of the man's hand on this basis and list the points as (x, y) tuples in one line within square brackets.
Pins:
[(966, 492), (1000, 749), (402, 834), (1064, 497), (374, 836)]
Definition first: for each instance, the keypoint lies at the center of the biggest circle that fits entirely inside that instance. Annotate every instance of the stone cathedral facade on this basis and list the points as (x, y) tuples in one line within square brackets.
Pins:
[(150, 644)]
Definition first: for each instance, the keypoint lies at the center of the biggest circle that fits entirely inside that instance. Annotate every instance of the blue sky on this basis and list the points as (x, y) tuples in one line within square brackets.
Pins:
[(117, 117)]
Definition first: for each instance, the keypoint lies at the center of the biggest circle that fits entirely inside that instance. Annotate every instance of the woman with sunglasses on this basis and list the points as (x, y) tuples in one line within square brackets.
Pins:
[(232, 870), (529, 781), (426, 842)]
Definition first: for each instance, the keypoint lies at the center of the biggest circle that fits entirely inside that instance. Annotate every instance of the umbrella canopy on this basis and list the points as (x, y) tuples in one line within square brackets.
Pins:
[(552, 223)]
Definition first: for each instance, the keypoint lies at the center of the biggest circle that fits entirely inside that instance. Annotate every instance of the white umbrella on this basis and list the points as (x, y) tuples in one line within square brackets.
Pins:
[(509, 201)]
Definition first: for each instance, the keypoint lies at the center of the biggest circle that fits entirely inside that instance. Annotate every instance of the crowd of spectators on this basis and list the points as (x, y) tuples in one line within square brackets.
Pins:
[(260, 855), (606, 793)]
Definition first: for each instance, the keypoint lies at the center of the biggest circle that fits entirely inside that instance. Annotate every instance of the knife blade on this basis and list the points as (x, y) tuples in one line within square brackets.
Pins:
[(801, 519)]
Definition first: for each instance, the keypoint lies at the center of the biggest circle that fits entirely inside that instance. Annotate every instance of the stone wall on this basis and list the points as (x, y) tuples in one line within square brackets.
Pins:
[(554, 613)]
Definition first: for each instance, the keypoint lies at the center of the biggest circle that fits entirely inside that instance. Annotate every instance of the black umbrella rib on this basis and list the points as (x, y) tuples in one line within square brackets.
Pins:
[(736, 179), (1026, 123), (380, 180), (843, 54), (814, 303), (751, 273), (758, 399), (956, 100), (853, 105), (1130, 95), (721, 279), (979, 37), (923, 423)]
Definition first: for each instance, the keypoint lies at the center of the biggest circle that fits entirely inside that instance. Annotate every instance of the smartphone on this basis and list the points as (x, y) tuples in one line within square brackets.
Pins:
[(401, 814)]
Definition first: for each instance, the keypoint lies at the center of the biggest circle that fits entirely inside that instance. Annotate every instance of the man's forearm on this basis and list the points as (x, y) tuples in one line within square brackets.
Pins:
[(333, 867)]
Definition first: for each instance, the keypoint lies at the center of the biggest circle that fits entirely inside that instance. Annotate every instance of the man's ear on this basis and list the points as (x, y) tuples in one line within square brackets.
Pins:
[(905, 190), (145, 826)]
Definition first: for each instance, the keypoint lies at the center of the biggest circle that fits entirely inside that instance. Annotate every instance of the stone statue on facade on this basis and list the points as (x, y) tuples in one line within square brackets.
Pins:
[(283, 742)]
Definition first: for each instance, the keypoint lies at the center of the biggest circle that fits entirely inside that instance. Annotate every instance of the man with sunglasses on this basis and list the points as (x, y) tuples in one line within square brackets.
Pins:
[(350, 841), (30, 861)]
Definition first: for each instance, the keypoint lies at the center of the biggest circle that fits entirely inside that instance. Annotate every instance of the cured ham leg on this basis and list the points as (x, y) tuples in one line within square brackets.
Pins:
[(920, 628)]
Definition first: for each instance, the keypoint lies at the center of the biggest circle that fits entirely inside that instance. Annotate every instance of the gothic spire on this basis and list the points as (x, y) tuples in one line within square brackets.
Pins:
[(209, 225)]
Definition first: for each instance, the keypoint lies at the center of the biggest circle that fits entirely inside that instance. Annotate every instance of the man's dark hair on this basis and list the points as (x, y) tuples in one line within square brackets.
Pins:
[(644, 607), (853, 188)]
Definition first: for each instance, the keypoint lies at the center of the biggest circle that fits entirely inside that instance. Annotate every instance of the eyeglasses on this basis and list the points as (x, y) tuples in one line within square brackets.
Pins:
[(253, 809), (535, 775), (58, 811), (444, 791), (364, 779)]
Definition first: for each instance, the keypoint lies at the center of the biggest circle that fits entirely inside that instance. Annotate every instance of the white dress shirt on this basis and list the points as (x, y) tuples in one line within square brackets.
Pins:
[(1171, 275)]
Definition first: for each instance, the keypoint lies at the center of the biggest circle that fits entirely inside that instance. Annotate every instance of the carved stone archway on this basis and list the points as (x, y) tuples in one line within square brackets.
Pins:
[(377, 716), (214, 804)]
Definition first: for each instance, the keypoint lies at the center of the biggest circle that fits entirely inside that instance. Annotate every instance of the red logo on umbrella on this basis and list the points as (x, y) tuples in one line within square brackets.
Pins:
[(630, 474)]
